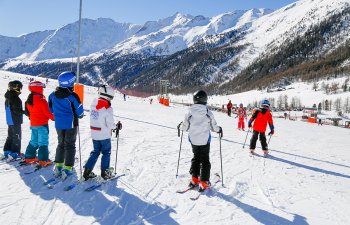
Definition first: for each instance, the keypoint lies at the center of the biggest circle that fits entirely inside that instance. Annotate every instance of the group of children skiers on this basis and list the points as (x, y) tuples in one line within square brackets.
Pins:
[(64, 107)]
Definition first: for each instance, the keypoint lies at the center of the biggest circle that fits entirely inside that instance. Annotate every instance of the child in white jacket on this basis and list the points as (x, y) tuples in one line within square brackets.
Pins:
[(198, 122), (101, 124)]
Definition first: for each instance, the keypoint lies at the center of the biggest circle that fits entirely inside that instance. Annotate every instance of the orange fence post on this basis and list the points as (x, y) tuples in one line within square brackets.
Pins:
[(161, 100), (166, 102), (79, 90)]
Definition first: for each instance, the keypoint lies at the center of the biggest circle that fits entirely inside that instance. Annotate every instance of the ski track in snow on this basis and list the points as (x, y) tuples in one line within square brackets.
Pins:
[(305, 180)]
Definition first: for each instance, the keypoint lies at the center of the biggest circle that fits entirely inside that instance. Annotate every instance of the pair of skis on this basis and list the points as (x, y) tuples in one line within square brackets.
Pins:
[(199, 194)]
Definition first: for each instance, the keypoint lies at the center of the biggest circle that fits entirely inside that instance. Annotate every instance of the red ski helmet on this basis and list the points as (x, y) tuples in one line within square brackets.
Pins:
[(37, 87)]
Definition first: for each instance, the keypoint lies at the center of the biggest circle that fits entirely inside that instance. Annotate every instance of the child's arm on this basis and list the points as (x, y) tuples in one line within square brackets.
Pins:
[(213, 125), (109, 120), (251, 120), (45, 109), (79, 109), (186, 123), (270, 121)]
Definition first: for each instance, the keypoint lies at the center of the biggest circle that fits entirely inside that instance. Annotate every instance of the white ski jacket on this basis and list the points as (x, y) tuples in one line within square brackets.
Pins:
[(101, 119), (198, 122)]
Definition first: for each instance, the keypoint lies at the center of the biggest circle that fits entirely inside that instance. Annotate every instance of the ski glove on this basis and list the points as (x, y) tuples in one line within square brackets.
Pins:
[(220, 132), (119, 125), (272, 132), (249, 124)]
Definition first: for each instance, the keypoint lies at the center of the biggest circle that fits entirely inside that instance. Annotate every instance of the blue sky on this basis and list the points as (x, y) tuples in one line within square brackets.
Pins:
[(25, 16)]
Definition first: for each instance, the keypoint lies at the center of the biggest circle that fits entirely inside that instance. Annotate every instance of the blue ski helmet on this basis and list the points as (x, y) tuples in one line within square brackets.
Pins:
[(241, 104), (265, 103), (66, 79)]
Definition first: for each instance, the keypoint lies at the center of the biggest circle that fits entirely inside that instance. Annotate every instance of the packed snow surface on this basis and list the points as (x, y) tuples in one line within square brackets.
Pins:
[(305, 181)]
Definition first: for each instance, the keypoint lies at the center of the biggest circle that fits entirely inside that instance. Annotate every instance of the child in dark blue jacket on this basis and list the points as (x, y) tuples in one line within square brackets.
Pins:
[(14, 119), (67, 108)]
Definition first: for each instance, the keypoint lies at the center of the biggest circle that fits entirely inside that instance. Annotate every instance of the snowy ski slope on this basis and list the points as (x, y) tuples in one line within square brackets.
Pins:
[(306, 181)]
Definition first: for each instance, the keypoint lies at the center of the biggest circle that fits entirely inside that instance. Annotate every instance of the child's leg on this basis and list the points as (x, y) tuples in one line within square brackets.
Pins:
[(195, 162), (10, 136), (17, 137), (95, 153), (106, 154), (59, 158), (263, 141), (69, 146), (253, 140), (242, 122), (33, 144), (43, 142), (205, 162)]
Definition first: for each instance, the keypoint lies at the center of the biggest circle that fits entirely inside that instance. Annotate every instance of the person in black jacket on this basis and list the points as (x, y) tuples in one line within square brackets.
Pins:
[(14, 119)]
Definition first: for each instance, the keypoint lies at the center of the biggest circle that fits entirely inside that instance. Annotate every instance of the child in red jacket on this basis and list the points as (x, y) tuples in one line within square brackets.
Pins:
[(261, 116), (37, 109)]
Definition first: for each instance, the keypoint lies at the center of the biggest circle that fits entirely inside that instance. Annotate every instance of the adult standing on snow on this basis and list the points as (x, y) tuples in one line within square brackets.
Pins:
[(261, 117), (198, 122), (241, 114), (37, 109), (67, 108), (229, 108), (14, 119), (101, 124)]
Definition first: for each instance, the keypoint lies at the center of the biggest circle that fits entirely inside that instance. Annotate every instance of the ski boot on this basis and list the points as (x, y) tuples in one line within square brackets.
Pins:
[(106, 174), (88, 174), (67, 171), (194, 182), (58, 170), (266, 153), (13, 156), (44, 163), (252, 151), (203, 185)]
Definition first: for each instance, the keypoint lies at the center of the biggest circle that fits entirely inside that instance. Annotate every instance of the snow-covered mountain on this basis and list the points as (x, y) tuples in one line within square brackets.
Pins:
[(62, 43), (167, 36), (225, 49)]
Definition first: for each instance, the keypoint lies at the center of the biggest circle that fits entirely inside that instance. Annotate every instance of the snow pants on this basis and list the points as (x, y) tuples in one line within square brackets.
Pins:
[(65, 151), (254, 138), (229, 112), (101, 146), (200, 164), (241, 123), (39, 139), (14, 137)]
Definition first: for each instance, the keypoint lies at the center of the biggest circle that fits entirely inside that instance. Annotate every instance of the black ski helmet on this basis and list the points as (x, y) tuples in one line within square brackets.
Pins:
[(15, 85), (200, 97)]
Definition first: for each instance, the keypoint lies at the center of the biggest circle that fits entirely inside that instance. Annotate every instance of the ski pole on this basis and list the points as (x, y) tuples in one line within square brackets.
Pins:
[(222, 172), (178, 160), (81, 170), (269, 140), (118, 127), (246, 137)]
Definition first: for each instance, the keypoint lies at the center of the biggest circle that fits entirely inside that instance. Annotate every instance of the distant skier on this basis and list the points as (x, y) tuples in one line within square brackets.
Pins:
[(261, 117), (101, 124), (241, 114), (198, 122), (124, 97), (319, 122), (14, 119), (67, 108), (229, 108), (37, 109), (285, 115)]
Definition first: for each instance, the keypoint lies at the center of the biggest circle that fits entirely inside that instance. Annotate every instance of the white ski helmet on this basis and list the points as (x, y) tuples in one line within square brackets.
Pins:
[(106, 92)]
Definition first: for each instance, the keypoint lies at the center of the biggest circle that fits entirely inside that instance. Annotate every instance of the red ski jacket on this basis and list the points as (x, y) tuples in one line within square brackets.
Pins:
[(229, 105), (261, 117), (37, 109)]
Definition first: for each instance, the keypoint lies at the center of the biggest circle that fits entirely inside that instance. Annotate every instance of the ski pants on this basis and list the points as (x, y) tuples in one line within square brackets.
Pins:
[(200, 164), (255, 138), (100, 146), (14, 137), (39, 139), (229, 112), (241, 123), (65, 151)]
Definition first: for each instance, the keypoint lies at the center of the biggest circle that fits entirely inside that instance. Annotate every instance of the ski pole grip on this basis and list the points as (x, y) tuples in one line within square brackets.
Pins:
[(178, 129)]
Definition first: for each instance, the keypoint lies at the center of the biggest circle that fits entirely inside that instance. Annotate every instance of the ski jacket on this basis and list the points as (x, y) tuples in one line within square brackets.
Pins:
[(101, 119), (66, 108), (37, 109), (13, 108), (261, 117), (241, 113), (198, 122), (229, 105)]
